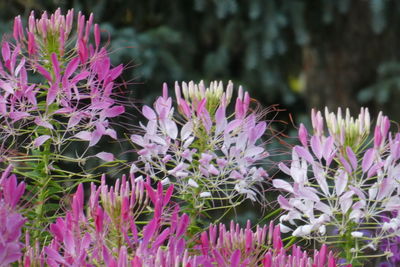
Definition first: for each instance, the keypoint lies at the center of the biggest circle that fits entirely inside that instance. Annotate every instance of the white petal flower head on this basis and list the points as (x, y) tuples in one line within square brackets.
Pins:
[(205, 194), (193, 183), (357, 234)]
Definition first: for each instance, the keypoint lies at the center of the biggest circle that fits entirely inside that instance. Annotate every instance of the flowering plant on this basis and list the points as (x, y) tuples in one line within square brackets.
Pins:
[(109, 233), (56, 89), (343, 184), (197, 153), (210, 156)]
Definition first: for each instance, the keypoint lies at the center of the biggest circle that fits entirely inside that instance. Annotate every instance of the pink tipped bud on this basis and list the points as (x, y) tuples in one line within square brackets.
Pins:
[(303, 135), (89, 24), (277, 241), (239, 109), (81, 22), (82, 50), (240, 93), (178, 94), (317, 122), (97, 35), (62, 42), (322, 255), (331, 260), (31, 22), (246, 101), (267, 261), (69, 21), (17, 28), (184, 108), (31, 43), (377, 137), (77, 203), (165, 90)]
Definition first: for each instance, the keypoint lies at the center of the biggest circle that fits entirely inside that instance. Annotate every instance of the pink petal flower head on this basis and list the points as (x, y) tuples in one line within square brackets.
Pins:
[(303, 135)]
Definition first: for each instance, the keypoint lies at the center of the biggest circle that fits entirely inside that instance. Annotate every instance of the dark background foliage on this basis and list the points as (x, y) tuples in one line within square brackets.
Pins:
[(300, 54)]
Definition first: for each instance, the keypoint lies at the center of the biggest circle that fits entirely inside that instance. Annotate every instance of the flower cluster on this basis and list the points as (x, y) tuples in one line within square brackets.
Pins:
[(56, 86), (197, 152), (243, 247), (56, 89), (343, 184), (206, 153), (11, 221), (109, 234)]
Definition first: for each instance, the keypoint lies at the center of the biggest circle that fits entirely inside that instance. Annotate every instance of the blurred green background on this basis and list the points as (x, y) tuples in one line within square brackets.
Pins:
[(298, 53)]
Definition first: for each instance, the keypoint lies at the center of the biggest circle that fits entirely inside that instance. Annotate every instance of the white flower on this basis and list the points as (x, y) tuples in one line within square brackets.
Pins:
[(357, 234), (139, 179), (205, 194), (165, 181), (133, 169), (284, 229), (193, 183), (322, 230), (303, 230)]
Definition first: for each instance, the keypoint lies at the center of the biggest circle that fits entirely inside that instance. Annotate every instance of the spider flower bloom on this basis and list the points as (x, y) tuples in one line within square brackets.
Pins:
[(56, 84), (347, 131), (11, 221), (55, 33), (109, 229), (342, 184), (208, 154)]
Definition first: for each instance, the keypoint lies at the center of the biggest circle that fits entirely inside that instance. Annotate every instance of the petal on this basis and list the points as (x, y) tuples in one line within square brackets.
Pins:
[(40, 140), (235, 258), (186, 131), (316, 146), (284, 203), (84, 135), (302, 152), (352, 157), (105, 156), (114, 111), (281, 184), (171, 128), (368, 160), (149, 113), (340, 181)]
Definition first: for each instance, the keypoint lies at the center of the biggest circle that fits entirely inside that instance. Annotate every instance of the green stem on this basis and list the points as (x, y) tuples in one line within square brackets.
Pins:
[(42, 194), (348, 246)]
